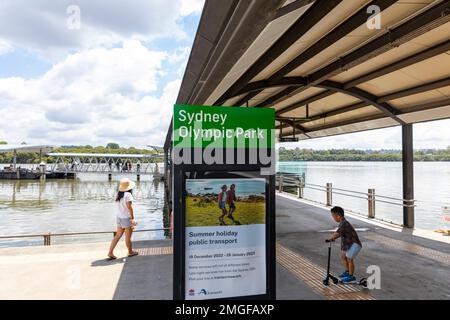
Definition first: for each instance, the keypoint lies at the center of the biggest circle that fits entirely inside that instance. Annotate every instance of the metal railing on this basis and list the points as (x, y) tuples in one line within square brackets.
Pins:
[(47, 236), (288, 181)]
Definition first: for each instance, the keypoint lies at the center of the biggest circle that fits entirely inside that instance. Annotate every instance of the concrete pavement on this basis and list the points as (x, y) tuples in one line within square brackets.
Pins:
[(412, 266)]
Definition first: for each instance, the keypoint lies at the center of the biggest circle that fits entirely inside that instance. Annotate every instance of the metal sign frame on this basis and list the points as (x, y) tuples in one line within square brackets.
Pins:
[(180, 174)]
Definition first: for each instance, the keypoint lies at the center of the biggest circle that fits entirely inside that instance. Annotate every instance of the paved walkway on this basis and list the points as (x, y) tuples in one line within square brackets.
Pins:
[(80, 271), (412, 267)]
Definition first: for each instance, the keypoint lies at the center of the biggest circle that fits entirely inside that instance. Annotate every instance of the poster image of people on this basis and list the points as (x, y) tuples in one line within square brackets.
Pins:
[(225, 202)]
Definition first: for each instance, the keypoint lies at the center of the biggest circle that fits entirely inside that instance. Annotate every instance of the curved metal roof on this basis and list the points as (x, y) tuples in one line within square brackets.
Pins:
[(322, 66), (103, 155), (26, 148)]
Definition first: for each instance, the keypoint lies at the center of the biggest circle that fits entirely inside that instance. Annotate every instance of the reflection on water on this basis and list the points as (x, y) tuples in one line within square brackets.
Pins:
[(432, 186), (82, 205)]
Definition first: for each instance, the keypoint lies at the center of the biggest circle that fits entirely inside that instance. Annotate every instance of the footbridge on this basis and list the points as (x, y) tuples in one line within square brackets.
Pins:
[(139, 164)]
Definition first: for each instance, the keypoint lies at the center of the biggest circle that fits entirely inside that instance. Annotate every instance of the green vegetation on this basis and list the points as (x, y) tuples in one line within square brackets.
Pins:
[(33, 157), (361, 155), (3, 142), (113, 145), (202, 211)]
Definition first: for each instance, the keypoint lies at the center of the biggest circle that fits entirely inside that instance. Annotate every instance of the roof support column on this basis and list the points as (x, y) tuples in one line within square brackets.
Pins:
[(408, 175), (14, 158)]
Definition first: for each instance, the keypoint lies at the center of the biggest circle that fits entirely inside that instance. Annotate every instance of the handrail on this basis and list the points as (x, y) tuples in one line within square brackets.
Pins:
[(359, 192), (74, 233), (287, 180)]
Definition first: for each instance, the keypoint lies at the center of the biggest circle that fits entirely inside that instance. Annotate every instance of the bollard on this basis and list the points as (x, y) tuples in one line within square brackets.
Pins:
[(280, 183), (109, 176), (300, 191), (47, 238), (329, 194), (371, 203)]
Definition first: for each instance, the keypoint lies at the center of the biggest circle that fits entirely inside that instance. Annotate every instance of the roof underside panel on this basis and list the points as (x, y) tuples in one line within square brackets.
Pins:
[(339, 76), (267, 37)]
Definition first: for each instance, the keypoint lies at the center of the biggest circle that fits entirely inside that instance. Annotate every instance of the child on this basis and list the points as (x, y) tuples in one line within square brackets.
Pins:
[(350, 244)]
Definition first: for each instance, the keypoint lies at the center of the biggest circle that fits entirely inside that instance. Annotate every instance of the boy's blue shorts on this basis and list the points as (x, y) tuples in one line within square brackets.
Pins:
[(353, 251)]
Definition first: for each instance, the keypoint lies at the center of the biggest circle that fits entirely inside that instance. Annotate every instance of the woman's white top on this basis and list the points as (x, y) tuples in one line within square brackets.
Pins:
[(122, 211)]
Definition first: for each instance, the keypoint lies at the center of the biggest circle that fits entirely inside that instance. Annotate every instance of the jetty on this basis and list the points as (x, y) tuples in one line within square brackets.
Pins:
[(414, 263), (68, 165)]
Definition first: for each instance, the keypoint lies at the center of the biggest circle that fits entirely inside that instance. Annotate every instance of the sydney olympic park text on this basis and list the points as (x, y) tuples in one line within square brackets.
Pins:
[(225, 147)]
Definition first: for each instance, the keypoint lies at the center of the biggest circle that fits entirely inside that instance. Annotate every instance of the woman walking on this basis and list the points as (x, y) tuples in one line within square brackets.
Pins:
[(125, 217)]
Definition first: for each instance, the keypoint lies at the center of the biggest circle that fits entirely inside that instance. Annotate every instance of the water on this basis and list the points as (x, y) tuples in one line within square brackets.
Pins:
[(83, 205), (244, 187), (87, 204), (432, 186)]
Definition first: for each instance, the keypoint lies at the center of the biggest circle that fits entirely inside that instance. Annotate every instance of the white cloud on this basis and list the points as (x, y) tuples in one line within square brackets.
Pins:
[(91, 97), (41, 25), (191, 6), (5, 47)]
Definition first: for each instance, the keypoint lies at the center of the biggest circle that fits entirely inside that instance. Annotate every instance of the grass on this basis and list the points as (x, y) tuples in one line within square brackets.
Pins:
[(200, 213)]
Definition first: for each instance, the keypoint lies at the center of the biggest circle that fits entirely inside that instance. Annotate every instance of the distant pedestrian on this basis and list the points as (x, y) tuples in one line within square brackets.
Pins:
[(125, 218)]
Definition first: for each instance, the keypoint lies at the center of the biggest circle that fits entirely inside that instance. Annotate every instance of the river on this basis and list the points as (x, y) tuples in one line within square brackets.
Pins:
[(432, 186), (82, 205), (87, 204)]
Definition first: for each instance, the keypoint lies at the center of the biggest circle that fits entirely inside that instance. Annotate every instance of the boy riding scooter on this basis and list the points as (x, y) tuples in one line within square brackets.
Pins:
[(350, 244)]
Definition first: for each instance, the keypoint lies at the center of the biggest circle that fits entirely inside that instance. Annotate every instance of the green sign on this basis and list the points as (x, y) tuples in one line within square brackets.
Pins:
[(228, 127)]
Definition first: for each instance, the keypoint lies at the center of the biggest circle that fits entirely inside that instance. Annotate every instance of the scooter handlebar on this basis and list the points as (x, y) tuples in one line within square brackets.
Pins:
[(329, 240)]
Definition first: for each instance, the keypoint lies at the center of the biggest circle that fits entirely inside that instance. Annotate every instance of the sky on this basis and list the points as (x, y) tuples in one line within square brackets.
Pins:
[(109, 71)]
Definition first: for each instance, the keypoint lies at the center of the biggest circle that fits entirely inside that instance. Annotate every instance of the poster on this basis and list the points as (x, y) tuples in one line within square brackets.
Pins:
[(225, 238)]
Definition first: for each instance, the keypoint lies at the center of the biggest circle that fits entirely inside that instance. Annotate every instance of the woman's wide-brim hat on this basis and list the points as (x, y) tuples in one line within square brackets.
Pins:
[(126, 184)]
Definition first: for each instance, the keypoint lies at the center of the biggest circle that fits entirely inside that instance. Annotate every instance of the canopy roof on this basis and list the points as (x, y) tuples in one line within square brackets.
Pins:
[(26, 148), (103, 155), (320, 66)]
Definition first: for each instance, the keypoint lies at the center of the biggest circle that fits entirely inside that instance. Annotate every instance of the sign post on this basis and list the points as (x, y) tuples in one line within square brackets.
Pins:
[(223, 203)]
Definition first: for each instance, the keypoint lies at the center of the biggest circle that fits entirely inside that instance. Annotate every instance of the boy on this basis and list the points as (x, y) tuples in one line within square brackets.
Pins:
[(350, 244)]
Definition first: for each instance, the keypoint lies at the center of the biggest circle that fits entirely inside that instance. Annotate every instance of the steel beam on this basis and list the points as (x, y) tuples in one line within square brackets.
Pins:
[(309, 19), (417, 108), (408, 175), (335, 112), (408, 61), (415, 90), (300, 81), (392, 96), (417, 26), (292, 7), (305, 102), (365, 96), (351, 24), (338, 33)]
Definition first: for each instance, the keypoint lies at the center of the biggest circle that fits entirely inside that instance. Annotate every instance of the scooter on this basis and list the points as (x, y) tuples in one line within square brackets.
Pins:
[(326, 281)]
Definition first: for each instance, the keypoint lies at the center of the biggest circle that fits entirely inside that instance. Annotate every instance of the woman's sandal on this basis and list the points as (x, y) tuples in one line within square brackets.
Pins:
[(135, 253), (110, 258)]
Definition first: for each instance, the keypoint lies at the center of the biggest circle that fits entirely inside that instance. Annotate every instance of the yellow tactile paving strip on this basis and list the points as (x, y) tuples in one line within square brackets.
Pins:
[(435, 255), (154, 251), (312, 275)]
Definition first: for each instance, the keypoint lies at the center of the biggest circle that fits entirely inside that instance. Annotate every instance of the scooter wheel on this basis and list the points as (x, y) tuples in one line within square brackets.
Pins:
[(325, 282), (335, 281), (363, 282)]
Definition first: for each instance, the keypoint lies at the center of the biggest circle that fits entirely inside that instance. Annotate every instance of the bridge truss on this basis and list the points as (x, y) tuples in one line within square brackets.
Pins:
[(140, 164)]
